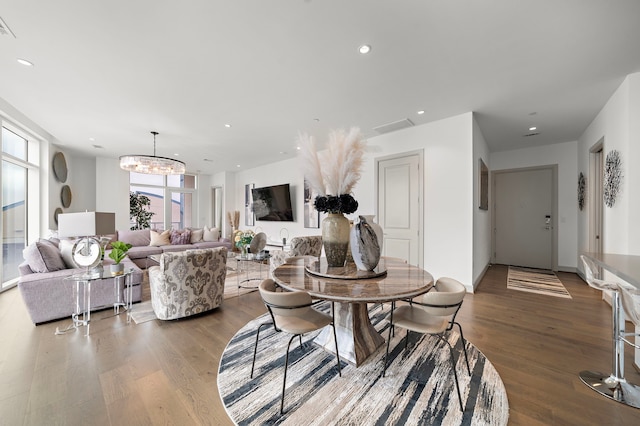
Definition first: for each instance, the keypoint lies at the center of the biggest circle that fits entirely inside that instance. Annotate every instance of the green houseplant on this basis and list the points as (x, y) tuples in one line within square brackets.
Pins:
[(118, 252), (139, 213)]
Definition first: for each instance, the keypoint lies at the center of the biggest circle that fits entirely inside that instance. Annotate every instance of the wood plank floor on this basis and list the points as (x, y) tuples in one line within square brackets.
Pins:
[(165, 372)]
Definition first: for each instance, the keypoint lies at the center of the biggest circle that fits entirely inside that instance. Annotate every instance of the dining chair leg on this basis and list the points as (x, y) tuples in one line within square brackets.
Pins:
[(464, 347), (335, 339), (386, 355), (255, 347), (284, 379), (453, 367), (406, 340)]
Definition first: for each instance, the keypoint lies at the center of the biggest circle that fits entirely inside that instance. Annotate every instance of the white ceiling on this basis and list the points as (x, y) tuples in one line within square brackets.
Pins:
[(116, 70)]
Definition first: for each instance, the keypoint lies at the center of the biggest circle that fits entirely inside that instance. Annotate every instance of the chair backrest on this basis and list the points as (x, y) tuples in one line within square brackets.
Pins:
[(212, 259), (630, 297), (445, 298), (306, 246), (284, 303)]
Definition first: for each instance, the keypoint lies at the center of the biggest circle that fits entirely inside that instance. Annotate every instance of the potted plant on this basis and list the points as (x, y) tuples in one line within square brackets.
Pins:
[(119, 251)]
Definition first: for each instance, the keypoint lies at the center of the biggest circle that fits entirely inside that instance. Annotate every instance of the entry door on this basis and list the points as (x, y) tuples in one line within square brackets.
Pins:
[(399, 207), (523, 221)]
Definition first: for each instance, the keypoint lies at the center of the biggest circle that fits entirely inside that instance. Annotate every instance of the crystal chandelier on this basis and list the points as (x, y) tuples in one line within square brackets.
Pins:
[(152, 164)]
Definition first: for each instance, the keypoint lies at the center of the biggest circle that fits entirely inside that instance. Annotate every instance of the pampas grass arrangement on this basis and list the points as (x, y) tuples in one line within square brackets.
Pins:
[(334, 173)]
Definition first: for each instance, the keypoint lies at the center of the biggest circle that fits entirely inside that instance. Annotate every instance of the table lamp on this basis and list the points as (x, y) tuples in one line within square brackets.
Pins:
[(87, 251)]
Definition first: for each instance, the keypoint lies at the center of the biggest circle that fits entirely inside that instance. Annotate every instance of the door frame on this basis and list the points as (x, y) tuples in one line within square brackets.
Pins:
[(554, 209), (594, 199), (420, 154)]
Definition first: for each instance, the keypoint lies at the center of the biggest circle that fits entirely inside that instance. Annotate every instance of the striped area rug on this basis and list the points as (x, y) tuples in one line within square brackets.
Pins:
[(418, 388), (538, 281)]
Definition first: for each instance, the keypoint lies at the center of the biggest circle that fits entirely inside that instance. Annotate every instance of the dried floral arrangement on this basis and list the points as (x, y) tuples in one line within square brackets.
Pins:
[(334, 172)]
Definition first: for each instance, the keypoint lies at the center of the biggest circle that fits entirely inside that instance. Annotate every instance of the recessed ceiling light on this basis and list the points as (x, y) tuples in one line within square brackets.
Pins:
[(176, 154), (25, 62), (98, 146), (92, 139), (227, 125), (531, 129), (317, 120), (298, 148), (364, 49), (237, 165), (421, 112)]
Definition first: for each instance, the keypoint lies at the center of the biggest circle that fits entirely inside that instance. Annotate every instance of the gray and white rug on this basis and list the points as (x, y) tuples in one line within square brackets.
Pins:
[(540, 281), (418, 389)]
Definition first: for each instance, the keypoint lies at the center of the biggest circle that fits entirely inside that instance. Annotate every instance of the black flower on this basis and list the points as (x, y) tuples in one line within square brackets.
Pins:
[(343, 203)]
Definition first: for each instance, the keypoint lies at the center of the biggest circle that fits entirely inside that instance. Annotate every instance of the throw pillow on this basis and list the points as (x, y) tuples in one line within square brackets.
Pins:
[(43, 257), (66, 248), (196, 235), (138, 237), (163, 239), (180, 236), (211, 234)]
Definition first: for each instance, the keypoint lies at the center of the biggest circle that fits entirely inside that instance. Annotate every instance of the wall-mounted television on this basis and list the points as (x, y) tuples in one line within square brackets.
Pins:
[(272, 203)]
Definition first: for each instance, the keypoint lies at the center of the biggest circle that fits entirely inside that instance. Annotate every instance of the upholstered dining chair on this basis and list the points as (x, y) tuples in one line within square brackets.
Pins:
[(291, 312), (188, 283), (310, 245), (434, 314)]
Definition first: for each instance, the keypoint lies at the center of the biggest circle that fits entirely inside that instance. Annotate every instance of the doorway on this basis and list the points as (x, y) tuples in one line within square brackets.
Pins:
[(525, 211), (399, 181)]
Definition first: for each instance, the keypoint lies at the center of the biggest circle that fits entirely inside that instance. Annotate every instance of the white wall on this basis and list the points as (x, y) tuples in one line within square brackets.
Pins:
[(112, 190), (618, 126), (565, 156), (481, 218), (448, 188)]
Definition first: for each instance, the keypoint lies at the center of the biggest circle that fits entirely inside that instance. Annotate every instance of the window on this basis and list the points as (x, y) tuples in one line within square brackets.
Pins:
[(172, 198), (16, 174)]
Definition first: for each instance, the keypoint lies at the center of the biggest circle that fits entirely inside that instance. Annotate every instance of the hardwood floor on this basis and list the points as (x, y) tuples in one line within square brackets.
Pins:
[(165, 372)]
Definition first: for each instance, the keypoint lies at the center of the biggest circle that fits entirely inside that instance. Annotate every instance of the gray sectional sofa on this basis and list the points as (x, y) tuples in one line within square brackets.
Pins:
[(49, 296)]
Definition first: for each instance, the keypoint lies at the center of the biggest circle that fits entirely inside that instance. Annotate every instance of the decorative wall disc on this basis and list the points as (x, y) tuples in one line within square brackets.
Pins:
[(65, 196), (582, 186), (612, 177), (55, 215), (60, 167)]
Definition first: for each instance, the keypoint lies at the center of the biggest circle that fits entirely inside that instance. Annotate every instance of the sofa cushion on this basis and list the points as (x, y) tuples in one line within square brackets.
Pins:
[(196, 235), (139, 237), (142, 252), (180, 236), (211, 234), (43, 256), (211, 244), (172, 248), (161, 239)]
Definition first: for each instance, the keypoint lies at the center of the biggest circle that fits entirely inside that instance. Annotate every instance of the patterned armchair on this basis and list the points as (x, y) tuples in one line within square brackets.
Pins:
[(299, 246), (188, 283)]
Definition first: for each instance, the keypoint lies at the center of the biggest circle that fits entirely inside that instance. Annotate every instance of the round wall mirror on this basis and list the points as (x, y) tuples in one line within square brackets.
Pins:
[(60, 167), (65, 196)]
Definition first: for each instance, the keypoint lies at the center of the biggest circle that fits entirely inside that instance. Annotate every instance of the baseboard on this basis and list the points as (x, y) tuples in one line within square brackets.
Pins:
[(571, 269), (476, 282)]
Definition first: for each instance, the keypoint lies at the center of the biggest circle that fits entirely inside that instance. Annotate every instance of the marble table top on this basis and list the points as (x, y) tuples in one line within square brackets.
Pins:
[(401, 281)]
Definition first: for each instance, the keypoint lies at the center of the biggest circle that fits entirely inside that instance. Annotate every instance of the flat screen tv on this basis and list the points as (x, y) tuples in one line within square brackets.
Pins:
[(272, 203)]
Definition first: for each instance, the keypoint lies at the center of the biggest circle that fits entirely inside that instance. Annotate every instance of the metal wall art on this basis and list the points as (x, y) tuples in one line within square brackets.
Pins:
[(582, 186), (612, 177), (60, 167)]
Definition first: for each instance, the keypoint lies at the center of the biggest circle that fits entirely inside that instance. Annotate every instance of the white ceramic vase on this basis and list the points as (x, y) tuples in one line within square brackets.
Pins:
[(377, 228), (364, 245)]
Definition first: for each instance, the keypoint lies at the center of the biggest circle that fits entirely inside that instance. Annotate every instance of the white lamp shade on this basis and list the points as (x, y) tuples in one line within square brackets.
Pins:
[(86, 224)]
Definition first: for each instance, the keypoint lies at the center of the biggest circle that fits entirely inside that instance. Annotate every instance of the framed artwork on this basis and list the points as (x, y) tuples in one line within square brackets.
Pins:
[(612, 177), (311, 215), (483, 202), (582, 186), (249, 218)]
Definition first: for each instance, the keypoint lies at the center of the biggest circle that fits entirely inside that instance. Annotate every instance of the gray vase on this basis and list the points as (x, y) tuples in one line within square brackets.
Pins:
[(364, 245)]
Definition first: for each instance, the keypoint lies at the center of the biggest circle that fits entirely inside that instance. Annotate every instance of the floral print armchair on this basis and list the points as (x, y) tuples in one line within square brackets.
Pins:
[(188, 283)]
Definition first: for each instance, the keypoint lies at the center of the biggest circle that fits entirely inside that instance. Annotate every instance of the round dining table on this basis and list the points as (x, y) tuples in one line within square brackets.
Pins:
[(392, 280)]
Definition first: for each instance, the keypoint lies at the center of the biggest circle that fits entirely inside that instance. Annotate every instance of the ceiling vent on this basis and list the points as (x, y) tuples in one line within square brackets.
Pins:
[(531, 134), (392, 127), (5, 30)]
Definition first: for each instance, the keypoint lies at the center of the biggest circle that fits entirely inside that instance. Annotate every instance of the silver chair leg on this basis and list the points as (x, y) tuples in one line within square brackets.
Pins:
[(284, 379), (464, 347)]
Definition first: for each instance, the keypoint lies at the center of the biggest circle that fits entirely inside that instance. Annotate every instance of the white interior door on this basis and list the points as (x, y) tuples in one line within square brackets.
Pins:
[(523, 220), (399, 207)]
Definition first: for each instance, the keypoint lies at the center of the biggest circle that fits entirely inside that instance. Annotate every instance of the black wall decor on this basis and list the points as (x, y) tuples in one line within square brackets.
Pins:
[(612, 177)]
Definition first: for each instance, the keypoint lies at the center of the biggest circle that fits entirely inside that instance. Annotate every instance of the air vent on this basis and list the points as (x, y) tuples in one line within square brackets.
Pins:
[(5, 30), (392, 127), (531, 134)]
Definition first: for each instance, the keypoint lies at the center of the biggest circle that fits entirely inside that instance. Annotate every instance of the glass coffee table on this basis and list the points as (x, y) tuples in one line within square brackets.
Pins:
[(243, 265)]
